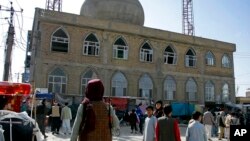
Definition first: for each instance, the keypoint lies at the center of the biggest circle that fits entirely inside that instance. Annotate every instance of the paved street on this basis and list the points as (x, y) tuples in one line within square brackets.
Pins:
[(124, 136)]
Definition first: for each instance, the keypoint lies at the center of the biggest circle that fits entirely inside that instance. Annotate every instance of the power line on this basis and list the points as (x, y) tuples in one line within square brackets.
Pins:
[(18, 3), (20, 46), (20, 29)]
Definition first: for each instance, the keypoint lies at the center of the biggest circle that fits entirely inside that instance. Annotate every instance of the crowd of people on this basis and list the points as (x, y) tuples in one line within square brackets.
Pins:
[(60, 117), (203, 127), (158, 123), (96, 118)]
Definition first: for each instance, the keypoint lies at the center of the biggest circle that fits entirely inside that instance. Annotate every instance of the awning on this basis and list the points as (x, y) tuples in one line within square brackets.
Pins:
[(44, 96), (10, 88)]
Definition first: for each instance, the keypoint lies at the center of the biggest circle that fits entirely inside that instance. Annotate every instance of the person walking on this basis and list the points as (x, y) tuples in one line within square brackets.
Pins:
[(227, 123), (214, 126), (126, 117), (56, 121), (150, 124), (133, 119), (208, 121), (167, 128), (140, 115), (195, 130), (234, 120), (240, 115), (221, 122), (115, 119), (41, 112), (94, 116), (66, 116)]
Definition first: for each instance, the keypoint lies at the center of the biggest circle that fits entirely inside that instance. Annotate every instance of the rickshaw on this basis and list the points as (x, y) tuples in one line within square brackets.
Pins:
[(14, 124)]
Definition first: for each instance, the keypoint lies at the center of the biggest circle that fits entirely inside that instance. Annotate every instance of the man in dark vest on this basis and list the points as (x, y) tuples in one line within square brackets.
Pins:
[(41, 112), (167, 128)]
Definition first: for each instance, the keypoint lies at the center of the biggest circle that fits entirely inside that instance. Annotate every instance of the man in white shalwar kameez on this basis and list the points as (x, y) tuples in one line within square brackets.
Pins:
[(150, 124)]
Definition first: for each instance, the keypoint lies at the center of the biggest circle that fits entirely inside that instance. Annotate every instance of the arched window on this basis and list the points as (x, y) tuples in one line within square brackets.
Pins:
[(191, 89), (190, 58), (169, 88), (85, 79), (57, 81), (59, 41), (120, 49), (119, 85), (145, 86), (209, 91), (170, 56), (91, 45), (225, 93), (210, 59), (146, 53), (226, 61)]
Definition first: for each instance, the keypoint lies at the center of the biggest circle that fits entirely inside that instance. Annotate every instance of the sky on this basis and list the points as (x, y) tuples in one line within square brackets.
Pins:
[(223, 20)]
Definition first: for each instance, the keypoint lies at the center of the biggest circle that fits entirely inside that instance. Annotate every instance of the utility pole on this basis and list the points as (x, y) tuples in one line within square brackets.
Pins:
[(9, 43), (18, 74)]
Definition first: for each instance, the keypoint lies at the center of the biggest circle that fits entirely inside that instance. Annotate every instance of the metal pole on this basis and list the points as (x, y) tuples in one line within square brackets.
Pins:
[(10, 129)]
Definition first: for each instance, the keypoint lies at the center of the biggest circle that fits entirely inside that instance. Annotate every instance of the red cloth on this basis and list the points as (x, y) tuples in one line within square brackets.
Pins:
[(94, 90), (176, 131)]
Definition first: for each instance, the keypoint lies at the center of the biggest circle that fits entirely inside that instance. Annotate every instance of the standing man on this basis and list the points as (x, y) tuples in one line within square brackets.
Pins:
[(56, 121), (66, 116), (241, 117), (133, 119), (208, 121), (167, 128), (221, 121), (150, 124), (196, 130), (41, 112), (141, 117), (94, 116), (227, 123)]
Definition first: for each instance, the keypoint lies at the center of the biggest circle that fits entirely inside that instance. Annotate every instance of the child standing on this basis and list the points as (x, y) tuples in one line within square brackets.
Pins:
[(133, 120), (150, 124)]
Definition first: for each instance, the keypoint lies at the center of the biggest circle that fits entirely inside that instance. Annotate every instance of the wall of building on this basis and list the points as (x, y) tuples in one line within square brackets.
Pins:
[(74, 63), (248, 92)]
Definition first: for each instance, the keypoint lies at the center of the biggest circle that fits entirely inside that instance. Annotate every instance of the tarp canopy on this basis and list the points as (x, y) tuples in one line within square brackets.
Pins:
[(233, 106), (120, 103), (182, 109), (44, 96)]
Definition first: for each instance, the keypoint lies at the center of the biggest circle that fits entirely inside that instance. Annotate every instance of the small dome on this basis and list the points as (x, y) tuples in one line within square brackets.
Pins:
[(125, 11)]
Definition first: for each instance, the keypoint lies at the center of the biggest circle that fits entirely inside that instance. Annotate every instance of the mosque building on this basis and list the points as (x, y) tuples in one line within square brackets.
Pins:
[(109, 41)]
